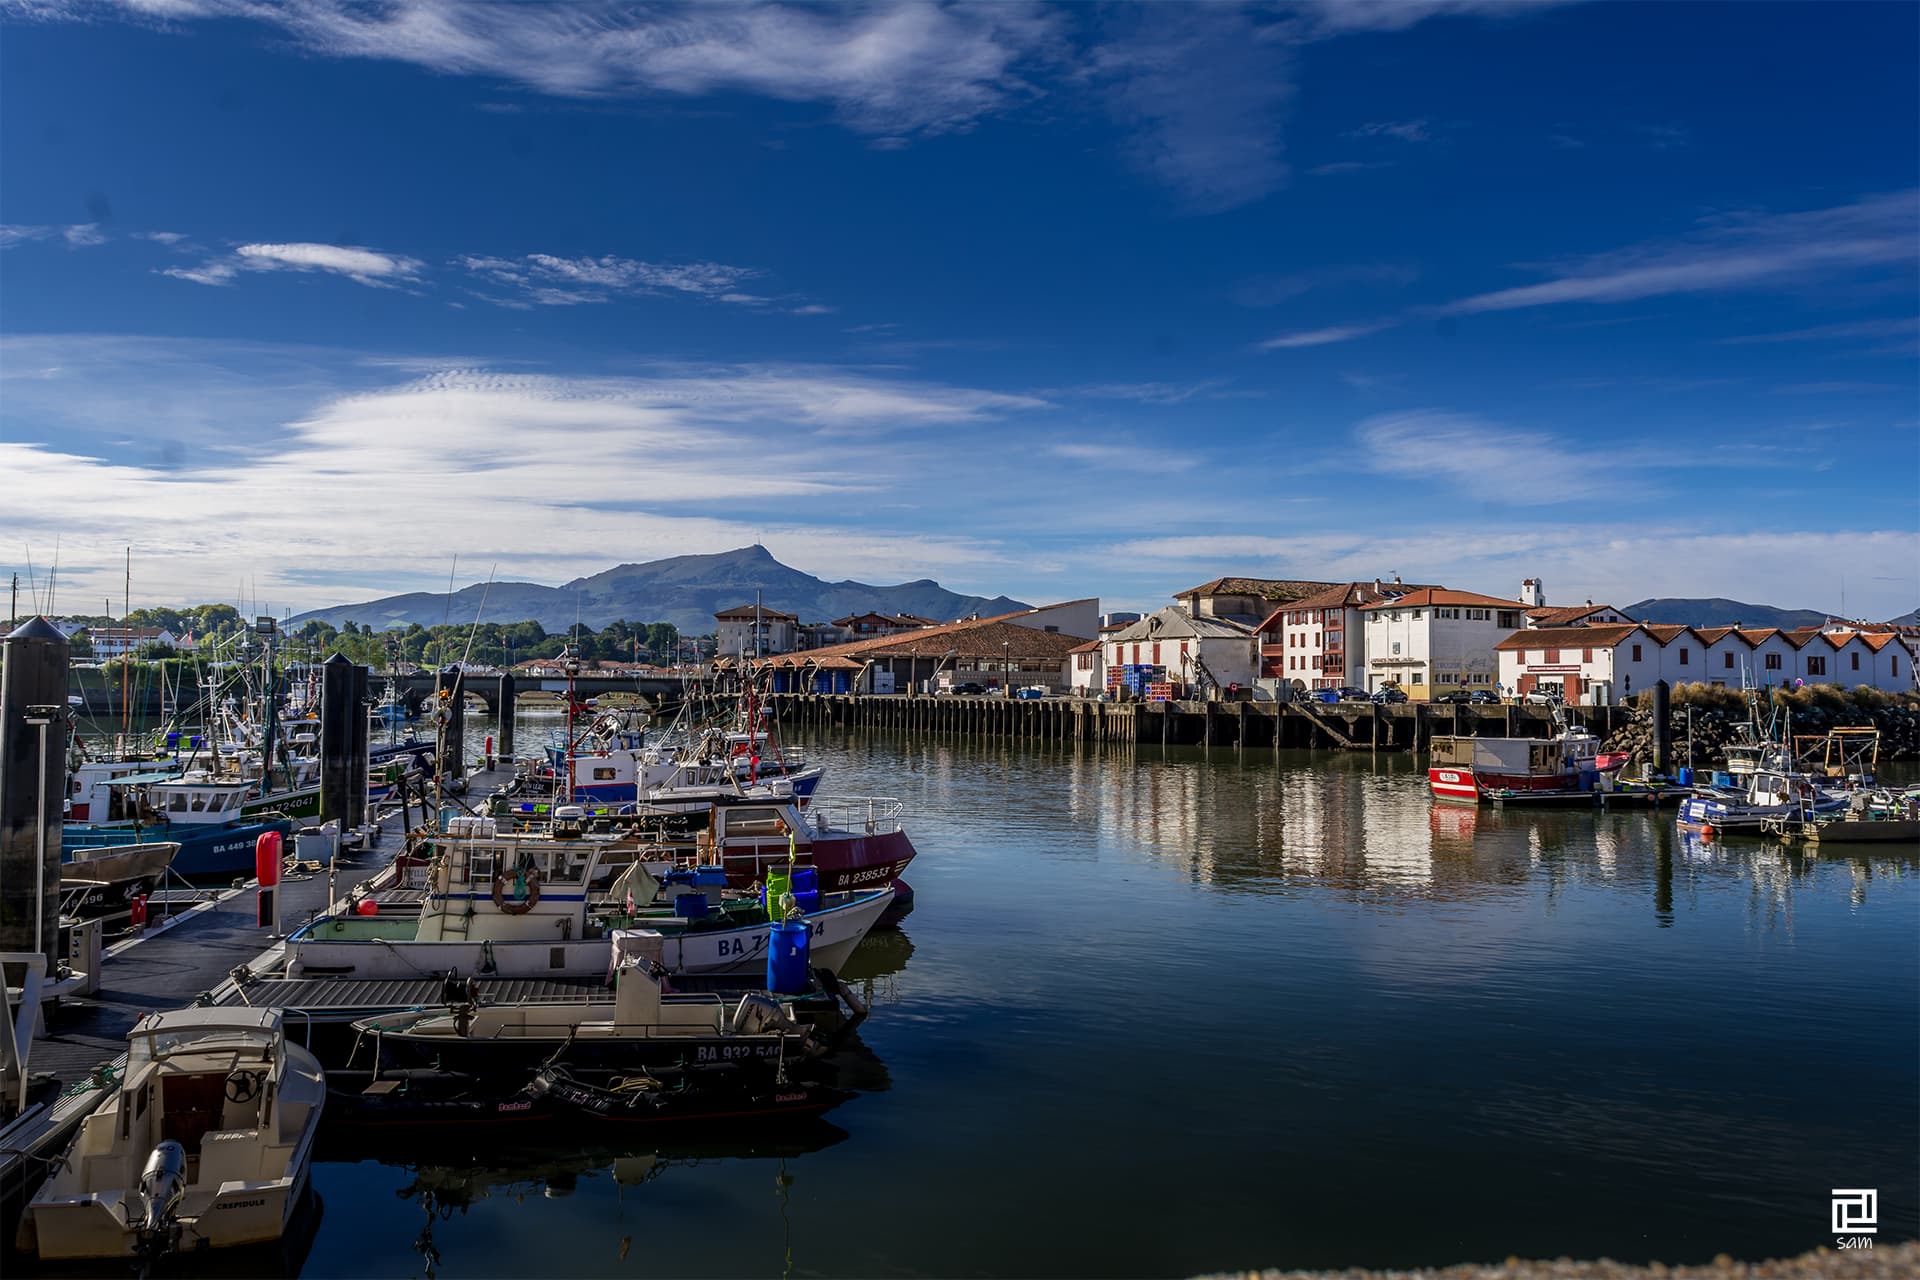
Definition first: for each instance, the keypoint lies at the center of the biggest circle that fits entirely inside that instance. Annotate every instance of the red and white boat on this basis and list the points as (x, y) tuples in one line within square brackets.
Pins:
[(1476, 769)]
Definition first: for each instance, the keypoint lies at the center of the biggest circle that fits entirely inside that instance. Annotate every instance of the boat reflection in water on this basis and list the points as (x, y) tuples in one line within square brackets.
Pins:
[(455, 1191)]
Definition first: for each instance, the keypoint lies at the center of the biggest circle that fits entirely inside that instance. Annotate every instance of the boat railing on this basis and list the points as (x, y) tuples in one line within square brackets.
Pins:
[(873, 815)]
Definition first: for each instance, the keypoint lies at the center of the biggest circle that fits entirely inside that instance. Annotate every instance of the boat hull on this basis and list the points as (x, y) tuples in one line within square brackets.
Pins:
[(844, 861), (211, 851), (103, 886), (833, 935)]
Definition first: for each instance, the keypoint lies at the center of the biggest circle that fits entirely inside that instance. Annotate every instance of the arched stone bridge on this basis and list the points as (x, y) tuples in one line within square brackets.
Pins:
[(492, 690)]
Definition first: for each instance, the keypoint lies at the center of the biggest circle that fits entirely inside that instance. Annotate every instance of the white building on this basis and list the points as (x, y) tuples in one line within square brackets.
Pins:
[(1086, 670), (1319, 641), (1599, 664), (750, 629), (114, 642), (1433, 640), (1210, 653)]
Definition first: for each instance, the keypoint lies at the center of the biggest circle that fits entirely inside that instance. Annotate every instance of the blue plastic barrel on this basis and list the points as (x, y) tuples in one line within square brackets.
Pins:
[(787, 957), (173, 739), (1685, 776), (690, 906), (710, 877)]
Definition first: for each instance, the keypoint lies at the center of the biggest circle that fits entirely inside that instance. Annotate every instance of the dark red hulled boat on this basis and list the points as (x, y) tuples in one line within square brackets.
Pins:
[(851, 842)]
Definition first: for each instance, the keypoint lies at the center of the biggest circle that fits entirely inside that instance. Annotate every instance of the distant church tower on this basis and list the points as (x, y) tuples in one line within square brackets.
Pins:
[(1533, 593)]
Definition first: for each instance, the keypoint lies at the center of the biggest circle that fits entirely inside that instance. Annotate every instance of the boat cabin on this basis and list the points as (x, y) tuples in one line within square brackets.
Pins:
[(199, 797)]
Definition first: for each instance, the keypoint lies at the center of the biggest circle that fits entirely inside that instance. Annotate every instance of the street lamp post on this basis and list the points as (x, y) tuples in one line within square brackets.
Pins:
[(1006, 668)]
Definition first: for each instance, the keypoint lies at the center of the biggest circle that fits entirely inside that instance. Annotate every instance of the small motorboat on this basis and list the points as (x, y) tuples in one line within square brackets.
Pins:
[(206, 1144), (102, 884)]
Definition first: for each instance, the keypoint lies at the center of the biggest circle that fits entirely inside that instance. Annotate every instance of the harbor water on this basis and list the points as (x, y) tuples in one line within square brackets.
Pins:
[(1162, 1013)]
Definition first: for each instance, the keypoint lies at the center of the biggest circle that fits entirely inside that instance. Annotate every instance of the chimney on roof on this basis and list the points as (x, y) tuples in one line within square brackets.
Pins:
[(1589, 602), (1736, 624), (1396, 579)]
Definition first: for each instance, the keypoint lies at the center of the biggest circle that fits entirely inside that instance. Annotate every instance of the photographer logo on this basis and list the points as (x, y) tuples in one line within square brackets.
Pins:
[(1856, 1215)]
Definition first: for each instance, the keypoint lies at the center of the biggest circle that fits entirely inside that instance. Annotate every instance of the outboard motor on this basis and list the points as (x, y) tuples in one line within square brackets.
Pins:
[(162, 1184)]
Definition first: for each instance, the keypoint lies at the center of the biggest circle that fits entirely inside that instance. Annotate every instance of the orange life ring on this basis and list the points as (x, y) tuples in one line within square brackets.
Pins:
[(523, 905)]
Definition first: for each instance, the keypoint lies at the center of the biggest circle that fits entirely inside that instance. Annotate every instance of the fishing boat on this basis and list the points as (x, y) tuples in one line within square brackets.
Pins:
[(206, 816), (853, 842), (1878, 816), (1767, 796), (520, 905), (103, 884), (1567, 766), (206, 1143), (648, 1029)]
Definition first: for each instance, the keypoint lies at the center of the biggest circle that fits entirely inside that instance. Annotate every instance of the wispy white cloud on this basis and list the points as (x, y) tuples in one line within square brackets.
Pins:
[(80, 235), (1324, 337), (1891, 327), (549, 280), (363, 266), (1202, 90), (1126, 457), (1836, 388), (1483, 459), (884, 69), (168, 238), (1732, 252), (1403, 130), (1200, 87), (1163, 393), (465, 431), (1334, 17), (219, 271)]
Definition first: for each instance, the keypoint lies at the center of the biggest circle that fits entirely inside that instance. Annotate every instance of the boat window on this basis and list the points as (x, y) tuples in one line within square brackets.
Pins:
[(482, 864), (178, 803), (602, 775), (753, 822), (199, 802)]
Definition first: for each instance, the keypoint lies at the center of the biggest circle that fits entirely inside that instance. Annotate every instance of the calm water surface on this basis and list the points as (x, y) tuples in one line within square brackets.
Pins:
[(1158, 1013)]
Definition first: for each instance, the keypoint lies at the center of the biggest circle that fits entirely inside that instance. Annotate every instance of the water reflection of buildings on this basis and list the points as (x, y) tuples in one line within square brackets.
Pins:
[(1369, 827)]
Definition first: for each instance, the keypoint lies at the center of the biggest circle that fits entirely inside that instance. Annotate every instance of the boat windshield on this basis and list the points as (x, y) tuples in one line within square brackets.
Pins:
[(244, 1043)]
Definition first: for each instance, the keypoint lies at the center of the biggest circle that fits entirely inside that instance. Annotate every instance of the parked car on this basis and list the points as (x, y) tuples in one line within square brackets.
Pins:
[(1389, 694), (1455, 695), (1543, 698), (1032, 691), (1484, 695), (969, 686), (1351, 694)]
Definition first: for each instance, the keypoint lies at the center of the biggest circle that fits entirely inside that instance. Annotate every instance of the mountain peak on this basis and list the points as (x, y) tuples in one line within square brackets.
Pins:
[(684, 590)]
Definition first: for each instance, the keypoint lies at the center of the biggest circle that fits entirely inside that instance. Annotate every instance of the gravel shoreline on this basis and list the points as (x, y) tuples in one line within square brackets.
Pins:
[(1882, 1262)]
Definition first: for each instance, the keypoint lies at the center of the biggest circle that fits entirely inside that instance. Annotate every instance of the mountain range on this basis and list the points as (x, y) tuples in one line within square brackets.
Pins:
[(684, 590)]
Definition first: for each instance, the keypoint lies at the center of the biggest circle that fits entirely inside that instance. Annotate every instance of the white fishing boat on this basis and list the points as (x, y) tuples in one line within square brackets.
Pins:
[(206, 1144), (1767, 795), (519, 905)]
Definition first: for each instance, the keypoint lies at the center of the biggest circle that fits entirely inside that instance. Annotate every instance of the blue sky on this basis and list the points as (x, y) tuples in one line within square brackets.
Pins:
[(1054, 301)]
